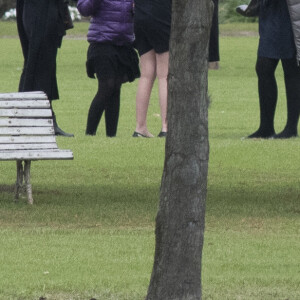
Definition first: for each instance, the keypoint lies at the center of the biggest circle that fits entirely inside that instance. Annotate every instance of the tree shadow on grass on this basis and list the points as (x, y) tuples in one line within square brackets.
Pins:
[(85, 206), (244, 201), (136, 205)]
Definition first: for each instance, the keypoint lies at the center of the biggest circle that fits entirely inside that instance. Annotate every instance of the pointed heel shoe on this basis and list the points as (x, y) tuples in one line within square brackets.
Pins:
[(137, 134), (162, 134)]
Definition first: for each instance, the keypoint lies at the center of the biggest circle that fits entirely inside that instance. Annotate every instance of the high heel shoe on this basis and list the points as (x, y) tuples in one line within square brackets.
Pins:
[(137, 134), (162, 134)]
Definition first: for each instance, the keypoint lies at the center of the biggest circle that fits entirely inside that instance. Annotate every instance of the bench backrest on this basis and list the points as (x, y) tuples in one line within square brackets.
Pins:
[(26, 125)]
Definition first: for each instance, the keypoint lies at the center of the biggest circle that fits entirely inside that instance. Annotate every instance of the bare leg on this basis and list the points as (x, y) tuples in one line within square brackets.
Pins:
[(148, 74), (162, 66)]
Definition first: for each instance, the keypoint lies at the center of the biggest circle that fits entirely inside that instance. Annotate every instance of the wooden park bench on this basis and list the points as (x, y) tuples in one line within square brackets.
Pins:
[(27, 134)]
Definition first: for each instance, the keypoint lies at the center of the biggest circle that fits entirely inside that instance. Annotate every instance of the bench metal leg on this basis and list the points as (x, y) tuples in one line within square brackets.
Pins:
[(19, 182), (23, 172)]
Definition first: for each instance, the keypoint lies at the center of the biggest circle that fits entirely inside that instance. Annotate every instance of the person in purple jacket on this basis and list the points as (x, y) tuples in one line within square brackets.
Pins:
[(110, 56)]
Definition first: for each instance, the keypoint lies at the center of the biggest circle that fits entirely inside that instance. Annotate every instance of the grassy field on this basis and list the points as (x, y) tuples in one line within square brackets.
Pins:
[(90, 232)]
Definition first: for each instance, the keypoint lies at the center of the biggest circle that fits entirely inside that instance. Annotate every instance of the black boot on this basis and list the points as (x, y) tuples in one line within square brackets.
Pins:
[(57, 130)]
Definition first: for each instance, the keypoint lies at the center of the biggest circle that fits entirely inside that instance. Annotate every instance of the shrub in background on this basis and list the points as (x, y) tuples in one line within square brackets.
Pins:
[(5, 5), (227, 13), (11, 14)]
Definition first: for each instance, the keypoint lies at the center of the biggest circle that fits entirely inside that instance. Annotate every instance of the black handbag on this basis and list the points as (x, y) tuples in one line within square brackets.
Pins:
[(250, 10)]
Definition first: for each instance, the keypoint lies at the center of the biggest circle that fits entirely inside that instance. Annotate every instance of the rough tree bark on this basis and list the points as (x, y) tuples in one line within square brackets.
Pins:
[(180, 220)]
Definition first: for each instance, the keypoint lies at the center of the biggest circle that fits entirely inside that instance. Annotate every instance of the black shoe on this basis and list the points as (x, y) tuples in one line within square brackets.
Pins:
[(57, 130), (285, 135), (137, 134), (60, 132), (91, 134), (162, 134), (260, 134)]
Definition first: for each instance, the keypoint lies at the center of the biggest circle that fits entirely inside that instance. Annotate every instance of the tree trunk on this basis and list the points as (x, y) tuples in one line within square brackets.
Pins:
[(181, 217)]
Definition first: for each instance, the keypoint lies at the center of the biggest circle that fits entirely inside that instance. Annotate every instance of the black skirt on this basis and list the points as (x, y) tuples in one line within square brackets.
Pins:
[(110, 61)]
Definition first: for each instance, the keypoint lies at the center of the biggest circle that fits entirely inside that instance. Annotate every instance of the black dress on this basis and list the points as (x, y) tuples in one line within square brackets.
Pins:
[(152, 25), (41, 28)]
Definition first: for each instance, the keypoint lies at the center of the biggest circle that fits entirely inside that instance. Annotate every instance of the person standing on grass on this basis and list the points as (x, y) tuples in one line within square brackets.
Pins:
[(152, 22), (279, 37), (110, 56), (41, 27)]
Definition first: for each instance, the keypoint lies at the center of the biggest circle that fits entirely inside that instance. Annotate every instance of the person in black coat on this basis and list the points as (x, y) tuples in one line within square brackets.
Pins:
[(276, 44), (214, 53), (41, 27)]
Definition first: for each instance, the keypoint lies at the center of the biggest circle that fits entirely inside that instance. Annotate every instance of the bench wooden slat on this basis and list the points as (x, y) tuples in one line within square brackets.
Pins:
[(33, 113), (27, 131), (13, 122), (24, 95), (28, 146), (24, 104), (36, 155), (27, 139)]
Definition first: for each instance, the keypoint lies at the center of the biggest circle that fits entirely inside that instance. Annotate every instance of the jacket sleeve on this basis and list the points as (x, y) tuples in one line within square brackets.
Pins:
[(251, 10), (294, 10), (87, 7)]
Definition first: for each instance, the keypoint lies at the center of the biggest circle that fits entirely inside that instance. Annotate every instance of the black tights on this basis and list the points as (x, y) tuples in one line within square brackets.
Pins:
[(107, 99), (267, 89)]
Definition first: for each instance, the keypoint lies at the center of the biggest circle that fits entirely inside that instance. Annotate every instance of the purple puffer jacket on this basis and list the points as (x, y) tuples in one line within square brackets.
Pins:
[(112, 20)]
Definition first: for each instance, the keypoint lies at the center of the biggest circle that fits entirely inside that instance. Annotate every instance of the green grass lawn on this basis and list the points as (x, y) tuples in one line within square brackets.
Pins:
[(90, 232)]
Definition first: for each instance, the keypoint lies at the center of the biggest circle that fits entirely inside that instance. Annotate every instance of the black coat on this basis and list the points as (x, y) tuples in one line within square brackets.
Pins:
[(214, 54), (41, 28)]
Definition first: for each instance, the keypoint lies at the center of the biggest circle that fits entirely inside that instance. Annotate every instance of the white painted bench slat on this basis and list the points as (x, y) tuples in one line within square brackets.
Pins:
[(36, 155), (27, 130), (13, 122), (24, 104), (23, 96), (27, 139), (32, 113), (28, 146)]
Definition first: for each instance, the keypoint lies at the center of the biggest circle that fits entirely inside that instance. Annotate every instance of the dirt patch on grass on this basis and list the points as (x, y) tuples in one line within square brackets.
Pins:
[(239, 33), (6, 188)]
